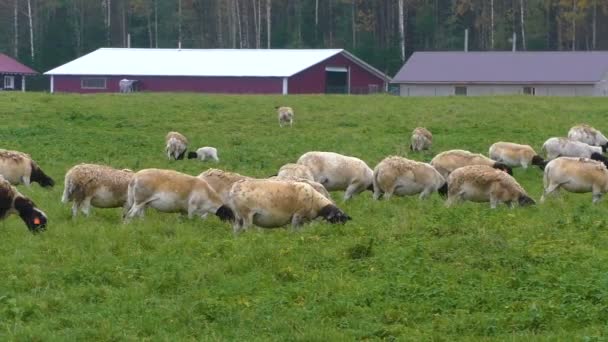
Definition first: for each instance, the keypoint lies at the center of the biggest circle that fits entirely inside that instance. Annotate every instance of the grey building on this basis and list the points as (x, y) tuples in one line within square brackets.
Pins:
[(554, 73)]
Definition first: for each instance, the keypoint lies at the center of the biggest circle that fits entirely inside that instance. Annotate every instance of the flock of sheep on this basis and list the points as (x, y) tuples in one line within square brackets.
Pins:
[(299, 192)]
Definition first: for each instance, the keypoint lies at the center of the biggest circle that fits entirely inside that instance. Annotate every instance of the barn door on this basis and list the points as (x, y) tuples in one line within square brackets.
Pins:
[(336, 80)]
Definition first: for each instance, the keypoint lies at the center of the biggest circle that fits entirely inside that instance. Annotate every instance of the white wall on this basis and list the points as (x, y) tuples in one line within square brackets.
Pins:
[(497, 89)]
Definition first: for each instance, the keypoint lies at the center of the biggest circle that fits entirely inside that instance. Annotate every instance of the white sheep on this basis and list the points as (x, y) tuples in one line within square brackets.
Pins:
[(175, 145), (19, 168), (285, 115), (204, 153), (404, 177), (563, 147), (221, 181), (13, 202), (171, 191), (575, 175), (275, 203), (339, 172), (514, 155), (481, 183), (98, 185), (588, 135), (448, 161), (422, 139), (295, 170)]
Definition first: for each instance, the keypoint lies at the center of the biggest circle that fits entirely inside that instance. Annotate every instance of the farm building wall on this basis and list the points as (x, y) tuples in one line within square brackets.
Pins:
[(17, 81), (228, 85), (497, 89), (312, 80)]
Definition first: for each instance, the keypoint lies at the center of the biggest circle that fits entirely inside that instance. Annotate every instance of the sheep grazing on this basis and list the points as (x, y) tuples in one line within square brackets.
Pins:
[(316, 185), (448, 161), (588, 135), (204, 153), (19, 168), (171, 191), (338, 172), (97, 185), (422, 139), (12, 201), (404, 177), (562, 147), (295, 170), (481, 183), (514, 155), (176, 145), (275, 203), (221, 181), (575, 175), (285, 115)]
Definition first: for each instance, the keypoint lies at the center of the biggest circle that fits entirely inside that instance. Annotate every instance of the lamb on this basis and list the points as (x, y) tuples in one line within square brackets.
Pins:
[(204, 153), (176, 145), (404, 177), (514, 155), (285, 115), (482, 183), (588, 135), (221, 181), (339, 172), (562, 147), (575, 175), (275, 203), (171, 191), (448, 161), (422, 139), (295, 170), (19, 168), (12, 201), (98, 185)]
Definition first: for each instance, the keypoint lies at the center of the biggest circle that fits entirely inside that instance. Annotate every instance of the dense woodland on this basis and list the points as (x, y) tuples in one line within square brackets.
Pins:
[(47, 33)]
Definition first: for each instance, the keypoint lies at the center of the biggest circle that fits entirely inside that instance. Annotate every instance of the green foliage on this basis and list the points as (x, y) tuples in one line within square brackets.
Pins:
[(402, 269)]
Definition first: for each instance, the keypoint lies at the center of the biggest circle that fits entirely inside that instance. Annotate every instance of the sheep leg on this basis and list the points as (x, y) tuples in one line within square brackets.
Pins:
[(597, 196), (549, 190), (354, 189), (296, 221), (85, 207), (425, 193), (26, 180), (377, 192), (493, 202), (74, 209), (453, 199)]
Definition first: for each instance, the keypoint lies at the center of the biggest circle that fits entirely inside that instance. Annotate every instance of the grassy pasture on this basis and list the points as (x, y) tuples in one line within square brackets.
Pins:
[(400, 270)]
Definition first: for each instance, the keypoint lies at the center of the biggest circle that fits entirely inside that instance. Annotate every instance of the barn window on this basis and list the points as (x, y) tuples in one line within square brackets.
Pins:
[(9, 82), (93, 83), (460, 90), (529, 91)]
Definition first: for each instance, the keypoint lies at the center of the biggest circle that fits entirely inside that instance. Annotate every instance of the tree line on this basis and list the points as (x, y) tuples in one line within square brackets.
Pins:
[(48, 33)]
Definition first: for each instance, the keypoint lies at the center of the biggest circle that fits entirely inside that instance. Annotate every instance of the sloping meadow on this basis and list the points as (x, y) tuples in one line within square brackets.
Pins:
[(401, 269)]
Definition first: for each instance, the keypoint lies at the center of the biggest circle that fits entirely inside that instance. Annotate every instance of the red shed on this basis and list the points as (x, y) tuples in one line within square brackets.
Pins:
[(237, 71), (12, 73)]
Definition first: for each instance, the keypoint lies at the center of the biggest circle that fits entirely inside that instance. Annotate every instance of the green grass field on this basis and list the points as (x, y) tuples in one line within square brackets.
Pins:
[(431, 273)]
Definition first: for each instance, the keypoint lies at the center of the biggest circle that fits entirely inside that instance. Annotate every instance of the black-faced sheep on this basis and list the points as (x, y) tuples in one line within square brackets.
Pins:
[(175, 145), (19, 168), (12, 201), (588, 135), (422, 139), (448, 161), (563, 147), (514, 155), (404, 177), (204, 153), (97, 185)]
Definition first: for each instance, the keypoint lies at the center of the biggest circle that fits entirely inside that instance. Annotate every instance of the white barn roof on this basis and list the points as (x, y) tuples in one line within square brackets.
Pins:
[(200, 62)]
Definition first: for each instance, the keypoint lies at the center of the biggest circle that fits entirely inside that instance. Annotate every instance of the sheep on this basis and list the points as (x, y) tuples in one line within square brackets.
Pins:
[(316, 185), (563, 147), (588, 135), (448, 161), (221, 181), (98, 185), (171, 191), (514, 155), (575, 175), (275, 203), (285, 115), (204, 153), (404, 177), (339, 172), (13, 202), (176, 145), (482, 183), (422, 139), (295, 170), (19, 168)]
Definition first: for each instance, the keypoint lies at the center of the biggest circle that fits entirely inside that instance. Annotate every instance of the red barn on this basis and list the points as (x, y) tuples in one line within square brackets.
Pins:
[(236, 71), (12, 73)]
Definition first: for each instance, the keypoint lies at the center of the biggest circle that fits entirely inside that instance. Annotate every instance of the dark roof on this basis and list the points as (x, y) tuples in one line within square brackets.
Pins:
[(9, 65), (504, 67)]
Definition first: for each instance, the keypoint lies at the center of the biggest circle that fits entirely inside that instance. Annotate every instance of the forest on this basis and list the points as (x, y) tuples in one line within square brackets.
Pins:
[(48, 33)]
